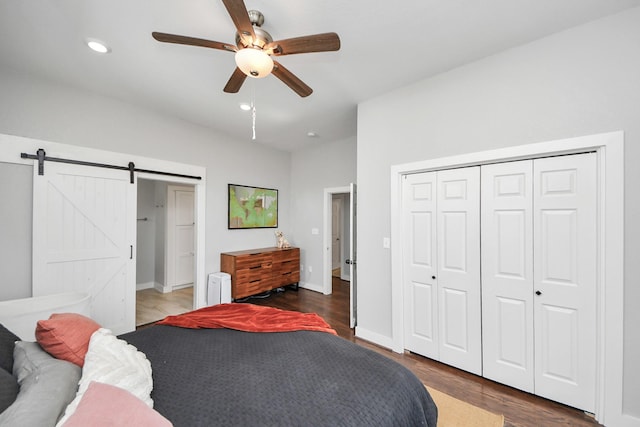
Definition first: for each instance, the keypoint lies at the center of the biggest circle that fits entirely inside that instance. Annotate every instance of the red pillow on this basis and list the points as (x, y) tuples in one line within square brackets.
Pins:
[(105, 405), (66, 336)]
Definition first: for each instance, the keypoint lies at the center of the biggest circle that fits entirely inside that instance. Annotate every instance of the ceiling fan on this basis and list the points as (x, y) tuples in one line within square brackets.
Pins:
[(255, 48)]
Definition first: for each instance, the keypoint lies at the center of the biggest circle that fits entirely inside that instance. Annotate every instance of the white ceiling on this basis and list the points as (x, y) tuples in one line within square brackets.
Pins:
[(385, 45)]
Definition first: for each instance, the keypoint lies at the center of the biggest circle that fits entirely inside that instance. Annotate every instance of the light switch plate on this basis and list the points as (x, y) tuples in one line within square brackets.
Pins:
[(386, 242)]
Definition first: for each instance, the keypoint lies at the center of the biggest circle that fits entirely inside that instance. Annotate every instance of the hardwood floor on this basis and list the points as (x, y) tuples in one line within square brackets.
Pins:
[(152, 305), (520, 409)]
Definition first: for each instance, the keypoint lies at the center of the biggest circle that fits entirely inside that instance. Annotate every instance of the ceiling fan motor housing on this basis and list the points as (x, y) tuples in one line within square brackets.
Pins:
[(256, 17), (262, 37)]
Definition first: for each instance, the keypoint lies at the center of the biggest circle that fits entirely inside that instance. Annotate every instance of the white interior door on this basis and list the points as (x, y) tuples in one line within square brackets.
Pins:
[(184, 237), (83, 236), (420, 264), (458, 277), (565, 278), (353, 251), (507, 273)]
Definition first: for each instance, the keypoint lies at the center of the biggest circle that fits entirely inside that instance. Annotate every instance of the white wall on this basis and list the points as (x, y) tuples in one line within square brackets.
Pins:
[(579, 82), (39, 109), (312, 170), (160, 205), (16, 182), (145, 235)]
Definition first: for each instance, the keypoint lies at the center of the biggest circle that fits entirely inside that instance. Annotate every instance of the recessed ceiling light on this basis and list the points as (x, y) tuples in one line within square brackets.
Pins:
[(245, 107), (312, 134), (98, 46)]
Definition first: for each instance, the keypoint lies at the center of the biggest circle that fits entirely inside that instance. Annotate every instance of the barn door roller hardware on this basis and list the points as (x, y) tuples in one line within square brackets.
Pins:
[(41, 156)]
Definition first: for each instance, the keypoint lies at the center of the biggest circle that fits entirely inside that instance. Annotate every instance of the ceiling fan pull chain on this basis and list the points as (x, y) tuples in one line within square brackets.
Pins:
[(253, 127), (253, 110)]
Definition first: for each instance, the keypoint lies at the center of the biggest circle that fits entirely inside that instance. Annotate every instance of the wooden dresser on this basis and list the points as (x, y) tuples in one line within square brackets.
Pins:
[(259, 270)]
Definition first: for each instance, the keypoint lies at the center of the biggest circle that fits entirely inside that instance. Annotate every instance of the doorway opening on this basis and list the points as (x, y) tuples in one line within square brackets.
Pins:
[(165, 251), (340, 243)]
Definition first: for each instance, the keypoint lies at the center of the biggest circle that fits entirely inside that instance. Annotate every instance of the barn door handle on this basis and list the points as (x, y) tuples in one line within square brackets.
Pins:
[(130, 251)]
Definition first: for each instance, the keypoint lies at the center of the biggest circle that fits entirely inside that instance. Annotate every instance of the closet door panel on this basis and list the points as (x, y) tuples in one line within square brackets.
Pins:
[(419, 254), (565, 245), (458, 278), (507, 274)]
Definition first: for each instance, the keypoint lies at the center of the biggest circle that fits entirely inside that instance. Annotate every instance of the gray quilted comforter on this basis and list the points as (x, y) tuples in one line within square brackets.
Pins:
[(222, 377)]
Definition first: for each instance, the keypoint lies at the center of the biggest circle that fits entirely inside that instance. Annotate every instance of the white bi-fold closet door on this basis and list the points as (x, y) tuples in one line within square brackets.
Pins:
[(441, 225), (499, 272), (539, 253)]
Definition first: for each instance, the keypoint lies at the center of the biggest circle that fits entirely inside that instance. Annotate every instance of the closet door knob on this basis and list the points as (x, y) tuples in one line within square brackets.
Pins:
[(538, 293), (433, 277)]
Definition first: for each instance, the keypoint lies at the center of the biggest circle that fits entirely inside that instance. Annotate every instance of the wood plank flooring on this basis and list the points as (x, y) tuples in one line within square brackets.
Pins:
[(152, 305), (520, 409)]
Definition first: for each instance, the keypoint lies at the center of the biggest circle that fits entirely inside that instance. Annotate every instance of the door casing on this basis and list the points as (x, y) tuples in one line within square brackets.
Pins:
[(610, 162)]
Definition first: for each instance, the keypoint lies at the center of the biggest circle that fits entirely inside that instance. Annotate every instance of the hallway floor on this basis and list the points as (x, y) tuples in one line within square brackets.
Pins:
[(152, 305)]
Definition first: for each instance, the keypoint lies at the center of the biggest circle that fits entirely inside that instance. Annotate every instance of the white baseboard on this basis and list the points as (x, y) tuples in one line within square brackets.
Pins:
[(345, 277), (165, 289), (162, 289), (146, 285), (374, 337), (311, 287)]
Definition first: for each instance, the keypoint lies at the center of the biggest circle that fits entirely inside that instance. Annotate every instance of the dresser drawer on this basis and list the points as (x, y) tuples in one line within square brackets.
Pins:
[(257, 260), (247, 275), (285, 255), (284, 267), (286, 278)]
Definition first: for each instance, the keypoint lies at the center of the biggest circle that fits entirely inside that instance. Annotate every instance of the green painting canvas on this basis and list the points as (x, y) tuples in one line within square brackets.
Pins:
[(252, 207)]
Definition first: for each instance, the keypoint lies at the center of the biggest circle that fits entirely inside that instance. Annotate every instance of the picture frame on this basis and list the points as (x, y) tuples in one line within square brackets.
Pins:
[(251, 207)]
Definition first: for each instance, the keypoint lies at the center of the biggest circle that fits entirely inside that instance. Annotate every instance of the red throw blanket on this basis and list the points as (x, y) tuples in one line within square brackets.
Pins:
[(249, 318)]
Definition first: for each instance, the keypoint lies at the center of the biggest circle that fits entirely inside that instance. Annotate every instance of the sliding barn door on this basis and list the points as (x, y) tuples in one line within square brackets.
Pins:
[(507, 273), (83, 237), (458, 276), (565, 260), (420, 264)]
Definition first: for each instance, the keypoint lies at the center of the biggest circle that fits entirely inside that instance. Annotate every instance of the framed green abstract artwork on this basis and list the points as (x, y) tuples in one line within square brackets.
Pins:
[(252, 207)]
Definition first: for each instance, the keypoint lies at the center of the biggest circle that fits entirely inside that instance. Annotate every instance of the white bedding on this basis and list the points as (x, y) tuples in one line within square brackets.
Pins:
[(113, 361)]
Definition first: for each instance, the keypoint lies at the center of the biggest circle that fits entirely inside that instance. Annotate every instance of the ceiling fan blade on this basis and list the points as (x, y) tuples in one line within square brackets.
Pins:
[(192, 41), (324, 42), (240, 17), (288, 78), (235, 82)]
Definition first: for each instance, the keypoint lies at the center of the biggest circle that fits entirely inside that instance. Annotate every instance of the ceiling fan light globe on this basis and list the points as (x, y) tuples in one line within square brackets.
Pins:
[(254, 62)]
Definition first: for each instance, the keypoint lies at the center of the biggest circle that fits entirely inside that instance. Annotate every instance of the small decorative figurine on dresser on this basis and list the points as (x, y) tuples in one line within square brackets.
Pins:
[(283, 243)]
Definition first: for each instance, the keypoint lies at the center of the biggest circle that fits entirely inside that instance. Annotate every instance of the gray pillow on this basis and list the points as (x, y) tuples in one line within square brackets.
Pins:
[(47, 385)]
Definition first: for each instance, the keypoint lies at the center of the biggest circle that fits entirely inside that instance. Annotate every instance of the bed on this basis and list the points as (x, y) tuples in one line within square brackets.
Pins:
[(227, 377)]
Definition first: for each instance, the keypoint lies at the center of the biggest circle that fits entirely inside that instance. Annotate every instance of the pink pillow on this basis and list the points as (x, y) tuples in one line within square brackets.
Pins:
[(104, 405), (66, 336)]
